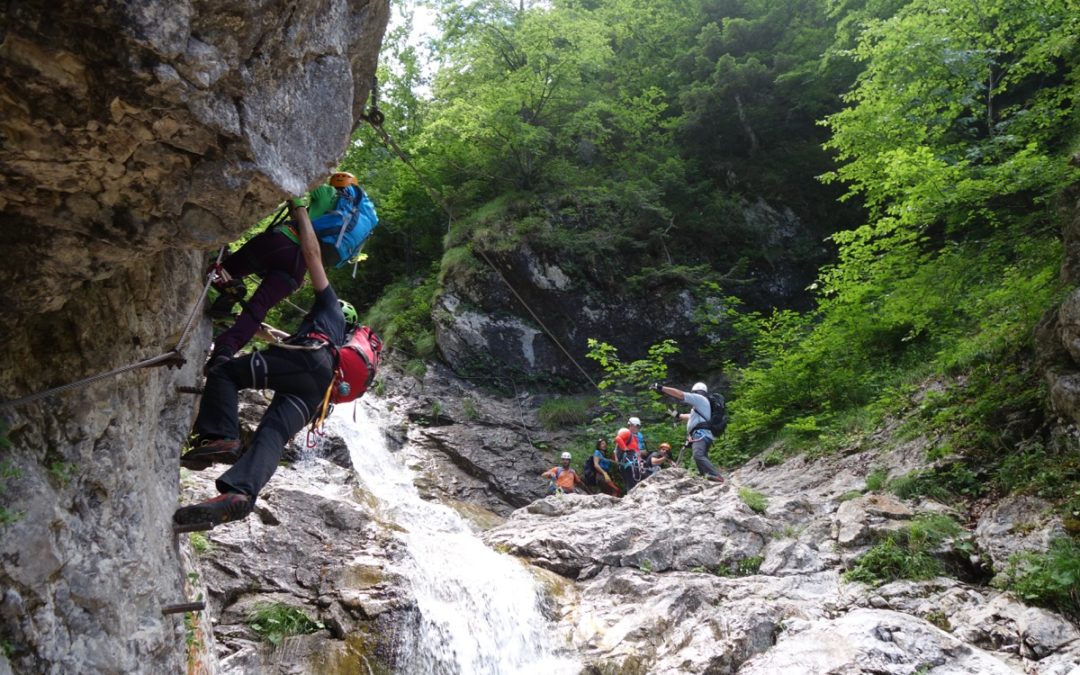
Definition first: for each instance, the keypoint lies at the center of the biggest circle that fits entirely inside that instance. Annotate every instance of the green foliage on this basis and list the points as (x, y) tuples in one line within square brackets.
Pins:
[(876, 480), (773, 458), (274, 621), (566, 411), (646, 566), (199, 543), (61, 472), (757, 502), (469, 409), (402, 317), (1050, 579), (907, 554), (625, 385), (741, 568), (8, 472)]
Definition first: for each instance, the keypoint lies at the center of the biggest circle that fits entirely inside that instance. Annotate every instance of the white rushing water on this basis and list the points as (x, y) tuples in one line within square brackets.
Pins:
[(479, 611)]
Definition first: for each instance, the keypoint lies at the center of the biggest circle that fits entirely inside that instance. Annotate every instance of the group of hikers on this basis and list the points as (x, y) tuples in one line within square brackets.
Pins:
[(329, 359), (706, 419)]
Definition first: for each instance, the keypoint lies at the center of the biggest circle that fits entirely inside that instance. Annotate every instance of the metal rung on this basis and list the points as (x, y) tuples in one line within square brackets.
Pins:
[(189, 390), (183, 607), (192, 527)]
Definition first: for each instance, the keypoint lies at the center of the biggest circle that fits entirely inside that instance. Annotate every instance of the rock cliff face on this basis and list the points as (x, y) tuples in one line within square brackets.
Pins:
[(483, 325), (136, 136)]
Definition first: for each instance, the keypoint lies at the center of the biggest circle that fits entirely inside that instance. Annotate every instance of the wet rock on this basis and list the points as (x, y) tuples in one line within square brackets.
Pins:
[(323, 554)]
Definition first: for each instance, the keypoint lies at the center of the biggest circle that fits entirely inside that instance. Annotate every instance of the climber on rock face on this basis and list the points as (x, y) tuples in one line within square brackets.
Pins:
[(299, 372), (699, 434), (275, 256), (563, 478)]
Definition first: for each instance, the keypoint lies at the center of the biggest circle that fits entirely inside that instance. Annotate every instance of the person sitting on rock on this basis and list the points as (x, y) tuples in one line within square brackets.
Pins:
[(628, 458), (656, 460), (563, 478), (596, 471), (300, 377), (698, 435)]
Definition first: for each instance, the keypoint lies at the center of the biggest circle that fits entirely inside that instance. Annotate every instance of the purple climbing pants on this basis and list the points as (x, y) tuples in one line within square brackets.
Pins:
[(276, 259)]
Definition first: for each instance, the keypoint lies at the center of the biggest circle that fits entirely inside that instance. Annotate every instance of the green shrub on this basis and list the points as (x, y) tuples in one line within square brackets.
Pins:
[(773, 458), (1050, 579), (754, 499), (741, 568), (876, 480), (402, 316), (199, 543), (891, 560), (906, 554), (274, 621), (919, 484)]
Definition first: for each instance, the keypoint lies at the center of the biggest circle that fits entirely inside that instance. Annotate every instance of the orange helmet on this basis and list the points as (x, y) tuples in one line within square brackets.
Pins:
[(623, 435), (665, 446), (343, 179)]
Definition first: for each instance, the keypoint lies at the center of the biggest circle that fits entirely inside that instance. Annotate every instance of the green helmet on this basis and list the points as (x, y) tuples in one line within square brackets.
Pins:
[(349, 311)]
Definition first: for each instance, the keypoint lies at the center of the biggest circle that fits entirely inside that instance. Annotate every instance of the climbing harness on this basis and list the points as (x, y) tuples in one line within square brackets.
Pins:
[(171, 358)]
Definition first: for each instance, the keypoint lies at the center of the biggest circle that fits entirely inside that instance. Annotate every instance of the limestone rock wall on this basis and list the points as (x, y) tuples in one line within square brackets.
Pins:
[(135, 138)]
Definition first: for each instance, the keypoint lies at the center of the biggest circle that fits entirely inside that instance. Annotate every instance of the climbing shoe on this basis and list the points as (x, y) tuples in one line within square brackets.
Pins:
[(217, 451), (221, 509), (229, 293)]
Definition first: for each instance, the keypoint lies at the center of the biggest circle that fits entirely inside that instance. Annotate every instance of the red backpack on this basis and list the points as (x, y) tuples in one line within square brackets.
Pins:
[(357, 361)]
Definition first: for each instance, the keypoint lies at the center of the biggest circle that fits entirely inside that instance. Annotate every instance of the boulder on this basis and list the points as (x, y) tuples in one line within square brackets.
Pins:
[(1016, 524)]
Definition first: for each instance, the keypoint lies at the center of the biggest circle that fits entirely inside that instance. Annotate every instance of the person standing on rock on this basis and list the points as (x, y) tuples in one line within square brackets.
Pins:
[(628, 456), (699, 436), (563, 478), (300, 377)]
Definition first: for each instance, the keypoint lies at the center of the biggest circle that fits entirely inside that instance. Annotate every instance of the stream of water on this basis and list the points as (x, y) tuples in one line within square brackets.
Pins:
[(479, 611)]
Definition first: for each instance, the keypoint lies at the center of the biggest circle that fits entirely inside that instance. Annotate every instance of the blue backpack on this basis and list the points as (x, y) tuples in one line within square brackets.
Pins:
[(343, 230)]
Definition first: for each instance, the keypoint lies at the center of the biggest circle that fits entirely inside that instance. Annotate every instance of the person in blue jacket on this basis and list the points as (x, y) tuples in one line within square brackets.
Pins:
[(698, 435)]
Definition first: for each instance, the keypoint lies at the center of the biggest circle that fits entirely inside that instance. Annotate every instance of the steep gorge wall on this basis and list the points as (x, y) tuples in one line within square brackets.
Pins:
[(135, 138)]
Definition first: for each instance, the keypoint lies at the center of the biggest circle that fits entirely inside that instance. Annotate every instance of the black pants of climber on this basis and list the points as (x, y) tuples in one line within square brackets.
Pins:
[(299, 380)]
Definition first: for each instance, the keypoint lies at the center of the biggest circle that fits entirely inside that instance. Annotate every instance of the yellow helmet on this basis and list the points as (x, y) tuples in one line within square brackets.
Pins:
[(343, 179)]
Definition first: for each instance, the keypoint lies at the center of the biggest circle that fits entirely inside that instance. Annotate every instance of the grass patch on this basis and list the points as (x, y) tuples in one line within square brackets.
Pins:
[(274, 621), (566, 411), (754, 499), (907, 554), (1050, 579), (773, 458), (876, 480), (741, 568)]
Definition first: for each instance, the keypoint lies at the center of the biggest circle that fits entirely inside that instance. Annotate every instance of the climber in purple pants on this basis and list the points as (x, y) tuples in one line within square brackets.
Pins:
[(275, 257)]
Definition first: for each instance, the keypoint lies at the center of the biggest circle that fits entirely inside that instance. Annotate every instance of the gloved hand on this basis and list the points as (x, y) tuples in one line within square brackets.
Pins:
[(299, 201), (657, 387), (674, 414)]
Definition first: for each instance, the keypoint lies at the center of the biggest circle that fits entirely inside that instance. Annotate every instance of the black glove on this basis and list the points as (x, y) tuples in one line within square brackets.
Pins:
[(657, 387)]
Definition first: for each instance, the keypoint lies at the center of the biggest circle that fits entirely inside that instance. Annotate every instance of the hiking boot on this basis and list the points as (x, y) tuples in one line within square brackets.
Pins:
[(221, 509), (218, 451), (229, 293), (716, 479)]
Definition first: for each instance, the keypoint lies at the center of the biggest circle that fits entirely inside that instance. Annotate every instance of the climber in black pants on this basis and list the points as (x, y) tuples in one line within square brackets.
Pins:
[(299, 373)]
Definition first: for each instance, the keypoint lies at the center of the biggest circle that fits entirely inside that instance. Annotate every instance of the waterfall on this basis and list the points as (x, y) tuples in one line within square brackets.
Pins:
[(478, 610)]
